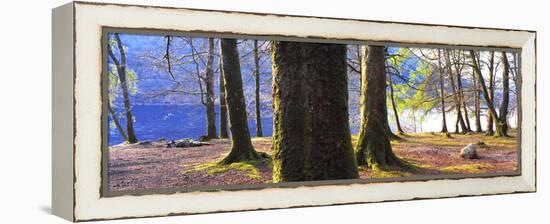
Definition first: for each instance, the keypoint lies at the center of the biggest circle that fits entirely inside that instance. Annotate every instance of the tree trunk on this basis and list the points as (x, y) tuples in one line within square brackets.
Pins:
[(223, 103), (117, 123), (502, 124), (477, 109), (394, 107), (463, 100), (209, 79), (241, 145), (311, 139), (459, 60), (259, 132), (491, 88), (121, 70), (456, 96), (442, 95), (484, 90), (373, 146)]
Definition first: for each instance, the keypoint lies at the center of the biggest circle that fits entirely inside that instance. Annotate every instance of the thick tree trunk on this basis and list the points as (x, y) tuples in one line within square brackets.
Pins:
[(442, 95), (484, 90), (209, 79), (259, 132), (502, 124), (394, 107), (241, 145), (117, 123), (373, 146), (121, 70), (311, 139), (223, 103)]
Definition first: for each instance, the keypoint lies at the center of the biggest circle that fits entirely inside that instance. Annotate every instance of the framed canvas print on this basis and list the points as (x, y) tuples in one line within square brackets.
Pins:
[(168, 111)]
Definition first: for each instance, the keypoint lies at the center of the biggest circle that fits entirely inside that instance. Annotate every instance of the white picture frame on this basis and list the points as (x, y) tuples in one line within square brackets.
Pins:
[(77, 109)]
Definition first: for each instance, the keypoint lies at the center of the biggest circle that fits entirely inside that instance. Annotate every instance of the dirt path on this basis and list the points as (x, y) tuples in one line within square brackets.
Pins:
[(154, 166)]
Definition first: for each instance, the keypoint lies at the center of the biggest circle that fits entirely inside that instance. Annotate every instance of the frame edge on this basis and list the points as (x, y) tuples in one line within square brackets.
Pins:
[(62, 111)]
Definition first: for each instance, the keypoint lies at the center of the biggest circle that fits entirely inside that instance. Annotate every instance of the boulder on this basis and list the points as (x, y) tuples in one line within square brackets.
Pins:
[(185, 143), (145, 143), (469, 152), (171, 144)]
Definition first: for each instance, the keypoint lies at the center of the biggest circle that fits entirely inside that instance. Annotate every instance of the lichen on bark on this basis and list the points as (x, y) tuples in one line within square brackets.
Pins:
[(373, 147)]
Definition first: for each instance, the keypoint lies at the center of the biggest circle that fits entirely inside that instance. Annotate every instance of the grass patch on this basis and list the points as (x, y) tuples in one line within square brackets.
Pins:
[(385, 173), (469, 168), (389, 174), (457, 140), (249, 168), (262, 140)]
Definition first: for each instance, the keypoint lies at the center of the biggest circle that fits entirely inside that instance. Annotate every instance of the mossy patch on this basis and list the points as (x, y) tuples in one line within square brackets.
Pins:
[(385, 173), (262, 140), (457, 140), (249, 168), (468, 168), (390, 174)]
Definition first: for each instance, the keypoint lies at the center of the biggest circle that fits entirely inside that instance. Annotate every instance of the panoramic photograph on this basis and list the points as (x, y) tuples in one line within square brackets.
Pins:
[(190, 111)]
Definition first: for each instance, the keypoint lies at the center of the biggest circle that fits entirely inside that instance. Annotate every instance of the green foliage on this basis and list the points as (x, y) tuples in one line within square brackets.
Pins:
[(411, 94), (114, 80)]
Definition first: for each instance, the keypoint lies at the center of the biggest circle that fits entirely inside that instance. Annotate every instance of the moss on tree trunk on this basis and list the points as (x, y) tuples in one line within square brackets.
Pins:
[(373, 146), (241, 145), (311, 139)]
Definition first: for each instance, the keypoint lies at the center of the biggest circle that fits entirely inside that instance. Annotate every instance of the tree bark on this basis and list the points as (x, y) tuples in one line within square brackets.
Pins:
[(491, 89), (442, 94), (117, 123), (484, 90), (459, 62), (121, 70), (502, 124), (456, 97), (394, 107), (477, 109), (209, 79), (311, 139), (241, 145), (223, 103), (259, 132), (373, 146), (463, 100)]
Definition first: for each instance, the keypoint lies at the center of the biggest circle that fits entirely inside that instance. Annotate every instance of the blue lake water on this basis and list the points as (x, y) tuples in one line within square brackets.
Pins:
[(175, 122)]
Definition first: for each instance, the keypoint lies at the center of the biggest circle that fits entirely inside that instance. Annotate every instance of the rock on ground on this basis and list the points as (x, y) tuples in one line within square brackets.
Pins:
[(469, 152)]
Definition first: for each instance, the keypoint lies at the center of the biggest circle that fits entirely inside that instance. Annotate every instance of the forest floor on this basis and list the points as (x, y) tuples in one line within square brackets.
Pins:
[(154, 166)]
